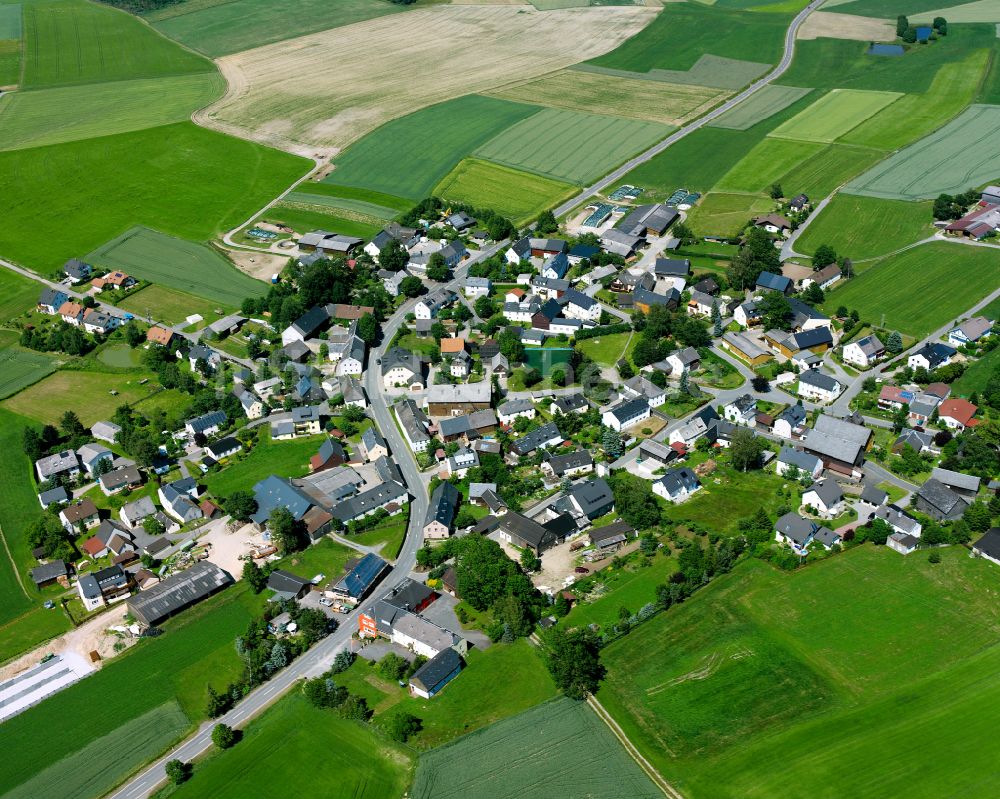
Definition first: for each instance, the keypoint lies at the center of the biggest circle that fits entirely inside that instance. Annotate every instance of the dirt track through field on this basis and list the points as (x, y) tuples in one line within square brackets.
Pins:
[(318, 93)]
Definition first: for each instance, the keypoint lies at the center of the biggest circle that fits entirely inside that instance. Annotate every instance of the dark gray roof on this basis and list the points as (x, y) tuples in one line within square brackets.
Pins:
[(940, 496), (531, 441), (813, 377), (632, 409), (593, 496), (178, 591), (374, 497), (57, 494), (207, 420), (873, 495), (444, 502), (828, 491), (959, 480), (571, 460), (436, 670), (571, 402), (793, 526), (284, 581), (676, 480), (48, 571), (989, 544), (360, 579), (277, 492), (773, 282)]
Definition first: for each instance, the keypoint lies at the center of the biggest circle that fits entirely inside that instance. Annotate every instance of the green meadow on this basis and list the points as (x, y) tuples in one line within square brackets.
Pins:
[(409, 156), (920, 290), (177, 264), (867, 227), (768, 684)]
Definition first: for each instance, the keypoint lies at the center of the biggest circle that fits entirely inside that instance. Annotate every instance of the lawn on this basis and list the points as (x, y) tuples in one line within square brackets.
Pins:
[(81, 724), (682, 34), (184, 180), (335, 193), (515, 194), (37, 118), (178, 264), (17, 293), (558, 749), (760, 106), (834, 114), (958, 156), (283, 458), (170, 305), (766, 163), (71, 42), (296, 746), (391, 536), (217, 27), (722, 214), (630, 587), (921, 289), (496, 683), (88, 393), (974, 378), (727, 496), (570, 146), (866, 227), (605, 350), (409, 156), (752, 672)]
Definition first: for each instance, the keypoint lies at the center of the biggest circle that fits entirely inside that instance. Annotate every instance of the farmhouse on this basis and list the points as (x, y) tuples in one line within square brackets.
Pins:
[(177, 592), (610, 537), (744, 348), (618, 242), (967, 485), (414, 424), (592, 498), (441, 511), (452, 400), (522, 532), (839, 444), (979, 223), (402, 368), (648, 220)]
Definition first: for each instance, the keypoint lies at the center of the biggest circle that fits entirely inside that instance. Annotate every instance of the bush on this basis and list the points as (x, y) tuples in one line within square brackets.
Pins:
[(391, 667), (934, 557), (401, 726)]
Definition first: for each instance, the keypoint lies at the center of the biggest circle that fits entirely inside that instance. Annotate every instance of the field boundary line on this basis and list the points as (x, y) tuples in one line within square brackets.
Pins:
[(13, 565), (651, 772)]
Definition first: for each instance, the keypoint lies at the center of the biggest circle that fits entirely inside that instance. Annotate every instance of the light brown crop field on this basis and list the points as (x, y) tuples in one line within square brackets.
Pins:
[(656, 101), (318, 93)]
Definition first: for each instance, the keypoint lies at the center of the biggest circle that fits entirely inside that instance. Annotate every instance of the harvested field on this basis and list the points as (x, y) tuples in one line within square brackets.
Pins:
[(570, 145), (978, 11), (766, 163), (328, 89), (961, 154), (179, 264), (708, 70), (545, 752), (834, 114), (760, 106), (831, 25), (409, 156), (36, 118), (259, 265), (634, 96), (511, 192)]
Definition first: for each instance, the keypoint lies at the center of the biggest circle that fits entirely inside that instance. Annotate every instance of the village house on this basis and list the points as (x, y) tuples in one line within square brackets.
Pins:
[(864, 352), (768, 281), (825, 497), (931, 356), (515, 409), (177, 499), (970, 331), (988, 546), (113, 281), (939, 501), (839, 444), (103, 587), (744, 348), (570, 464), (547, 435), (626, 414), (127, 477), (742, 411), (677, 484), (81, 513), (441, 512), (208, 424), (450, 400), (966, 485), (800, 533), (77, 271), (789, 459), (569, 403), (427, 307), (402, 368), (641, 387), (773, 223), (684, 360), (435, 674), (816, 385), (413, 423), (476, 287), (957, 413), (791, 422)]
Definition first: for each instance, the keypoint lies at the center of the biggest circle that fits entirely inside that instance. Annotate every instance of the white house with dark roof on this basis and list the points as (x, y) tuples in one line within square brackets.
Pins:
[(741, 411), (815, 385), (825, 497), (508, 412), (677, 484), (686, 359), (626, 414), (970, 331), (790, 458), (864, 352)]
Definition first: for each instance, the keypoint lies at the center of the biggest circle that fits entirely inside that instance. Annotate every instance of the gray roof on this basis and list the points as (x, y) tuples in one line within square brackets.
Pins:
[(178, 591), (373, 498), (898, 519), (873, 495), (436, 670), (57, 494), (940, 496), (412, 419), (207, 420), (515, 406), (989, 544), (277, 492), (398, 357), (571, 460), (138, 510), (676, 480), (631, 409), (592, 496), (48, 571), (976, 327), (959, 480), (799, 459), (870, 346), (55, 464), (531, 441), (828, 491), (813, 377), (570, 402)]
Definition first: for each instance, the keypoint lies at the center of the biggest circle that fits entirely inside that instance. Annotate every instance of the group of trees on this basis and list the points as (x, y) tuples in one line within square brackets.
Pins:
[(662, 330), (61, 337), (634, 500), (488, 580), (953, 206), (757, 254), (908, 32)]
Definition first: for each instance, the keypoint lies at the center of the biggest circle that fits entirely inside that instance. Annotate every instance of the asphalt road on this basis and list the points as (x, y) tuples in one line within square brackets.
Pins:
[(656, 149)]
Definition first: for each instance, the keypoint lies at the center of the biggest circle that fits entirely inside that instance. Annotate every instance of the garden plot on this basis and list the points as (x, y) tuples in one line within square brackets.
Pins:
[(328, 89), (626, 95), (557, 749), (834, 114), (963, 153)]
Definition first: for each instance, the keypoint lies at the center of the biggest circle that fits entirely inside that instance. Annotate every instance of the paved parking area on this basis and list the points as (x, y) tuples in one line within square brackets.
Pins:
[(442, 613)]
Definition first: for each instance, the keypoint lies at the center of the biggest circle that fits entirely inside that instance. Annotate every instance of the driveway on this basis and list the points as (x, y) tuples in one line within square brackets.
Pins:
[(442, 613)]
